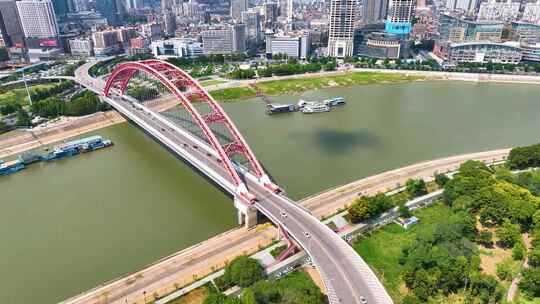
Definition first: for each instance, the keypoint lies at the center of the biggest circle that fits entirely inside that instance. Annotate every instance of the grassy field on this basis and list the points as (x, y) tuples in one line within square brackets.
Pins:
[(19, 95), (383, 258), (293, 86), (233, 94), (210, 82), (197, 296)]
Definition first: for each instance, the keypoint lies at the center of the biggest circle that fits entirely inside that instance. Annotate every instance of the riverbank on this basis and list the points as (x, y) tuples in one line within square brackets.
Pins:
[(177, 270), (306, 82), (19, 141)]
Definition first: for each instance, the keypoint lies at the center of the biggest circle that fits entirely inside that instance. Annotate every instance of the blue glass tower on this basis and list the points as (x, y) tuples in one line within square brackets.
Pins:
[(400, 16)]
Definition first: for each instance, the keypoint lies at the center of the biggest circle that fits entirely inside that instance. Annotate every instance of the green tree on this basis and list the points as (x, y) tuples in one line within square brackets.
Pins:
[(23, 119), (441, 179), (519, 251), (530, 282), (416, 187), (219, 298), (404, 211), (367, 207), (244, 271), (534, 257), (504, 269), (485, 238), (509, 234)]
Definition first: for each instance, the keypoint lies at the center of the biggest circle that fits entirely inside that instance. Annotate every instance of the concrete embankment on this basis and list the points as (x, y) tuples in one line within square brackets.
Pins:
[(455, 76), (177, 270)]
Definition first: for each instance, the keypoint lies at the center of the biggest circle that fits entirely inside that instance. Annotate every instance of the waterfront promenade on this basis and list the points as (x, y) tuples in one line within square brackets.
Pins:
[(200, 260)]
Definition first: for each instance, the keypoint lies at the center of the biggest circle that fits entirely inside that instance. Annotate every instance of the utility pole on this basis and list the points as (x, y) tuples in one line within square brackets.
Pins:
[(26, 86)]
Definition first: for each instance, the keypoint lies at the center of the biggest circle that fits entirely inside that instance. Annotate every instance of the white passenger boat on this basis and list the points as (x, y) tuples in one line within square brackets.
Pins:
[(315, 108), (338, 101)]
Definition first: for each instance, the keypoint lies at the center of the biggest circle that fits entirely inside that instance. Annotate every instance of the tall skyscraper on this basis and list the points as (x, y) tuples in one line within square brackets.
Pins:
[(341, 28), (169, 22), (286, 9), (38, 19), (10, 24), (252, 20), (237, 7), (133, 4), (110, 9), (374, 11), (400, 16), (270, 13), (62, 7)]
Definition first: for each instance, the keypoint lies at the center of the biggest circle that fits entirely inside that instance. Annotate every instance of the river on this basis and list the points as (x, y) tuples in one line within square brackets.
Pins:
[(73, 224)]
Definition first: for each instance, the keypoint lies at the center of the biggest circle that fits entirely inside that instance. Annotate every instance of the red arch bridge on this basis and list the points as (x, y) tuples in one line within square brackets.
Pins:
[(201, 133)]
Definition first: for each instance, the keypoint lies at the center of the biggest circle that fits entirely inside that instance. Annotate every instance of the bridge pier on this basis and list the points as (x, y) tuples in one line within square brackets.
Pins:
[(247, 215)]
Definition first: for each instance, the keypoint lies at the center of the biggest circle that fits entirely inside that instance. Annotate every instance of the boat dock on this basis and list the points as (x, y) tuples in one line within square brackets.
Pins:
[(305, 107), (67, 149)]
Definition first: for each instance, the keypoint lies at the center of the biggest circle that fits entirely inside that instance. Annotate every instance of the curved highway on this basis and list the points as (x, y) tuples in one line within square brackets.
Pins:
[(347, 277)]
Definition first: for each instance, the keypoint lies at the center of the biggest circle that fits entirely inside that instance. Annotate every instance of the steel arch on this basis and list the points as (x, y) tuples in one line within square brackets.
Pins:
[(173, 78)]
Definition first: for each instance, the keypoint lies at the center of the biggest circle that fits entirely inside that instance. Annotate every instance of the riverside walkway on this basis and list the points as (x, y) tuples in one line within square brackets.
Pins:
[(200, 260)]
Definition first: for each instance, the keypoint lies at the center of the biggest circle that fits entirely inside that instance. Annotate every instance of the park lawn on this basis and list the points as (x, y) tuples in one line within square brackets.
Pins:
[(206, 83), (289, 86), (233, 94), (292, 86), (196, 296), (382, 249), (19, 94)]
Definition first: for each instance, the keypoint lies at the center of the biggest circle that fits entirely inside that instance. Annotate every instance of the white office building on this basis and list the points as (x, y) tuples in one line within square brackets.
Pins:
[(341, 28), (500, 11), (37, 18), (176, 47), (81, 47), (531, 12)]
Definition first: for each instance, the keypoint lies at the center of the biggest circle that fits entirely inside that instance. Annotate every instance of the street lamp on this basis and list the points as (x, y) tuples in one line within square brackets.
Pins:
[(26, 86)]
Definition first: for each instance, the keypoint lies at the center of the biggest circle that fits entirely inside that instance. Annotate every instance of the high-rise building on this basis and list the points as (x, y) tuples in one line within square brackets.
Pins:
[(286, 9), (132, 5), (400, 16), (237, 7), (225, 41), (10, 24), (167, 5), (374, 11), (501, 11), (252, 20), (105, 42), (151, 30), (270, 13), (109, 9), (531, 12), (38, 19), (341, 28), (169, 22), (80, 5), (62, 7), (467, 6)]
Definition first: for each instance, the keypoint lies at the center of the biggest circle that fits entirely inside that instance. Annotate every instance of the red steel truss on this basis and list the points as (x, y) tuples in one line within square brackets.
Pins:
[(186, 89)]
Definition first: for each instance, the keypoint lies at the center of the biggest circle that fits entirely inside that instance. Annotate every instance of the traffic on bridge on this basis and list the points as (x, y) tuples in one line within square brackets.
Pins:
[(206, 138)]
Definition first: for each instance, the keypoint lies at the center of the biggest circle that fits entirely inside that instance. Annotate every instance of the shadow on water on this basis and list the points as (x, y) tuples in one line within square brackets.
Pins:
[(340, 142)]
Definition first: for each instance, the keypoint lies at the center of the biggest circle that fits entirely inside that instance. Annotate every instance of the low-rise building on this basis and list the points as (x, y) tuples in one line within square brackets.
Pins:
[(293, 46), (380, 45), (81, 47), (521, 31), (480, 52), (105, 42), (176, 47), (456, 29)]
